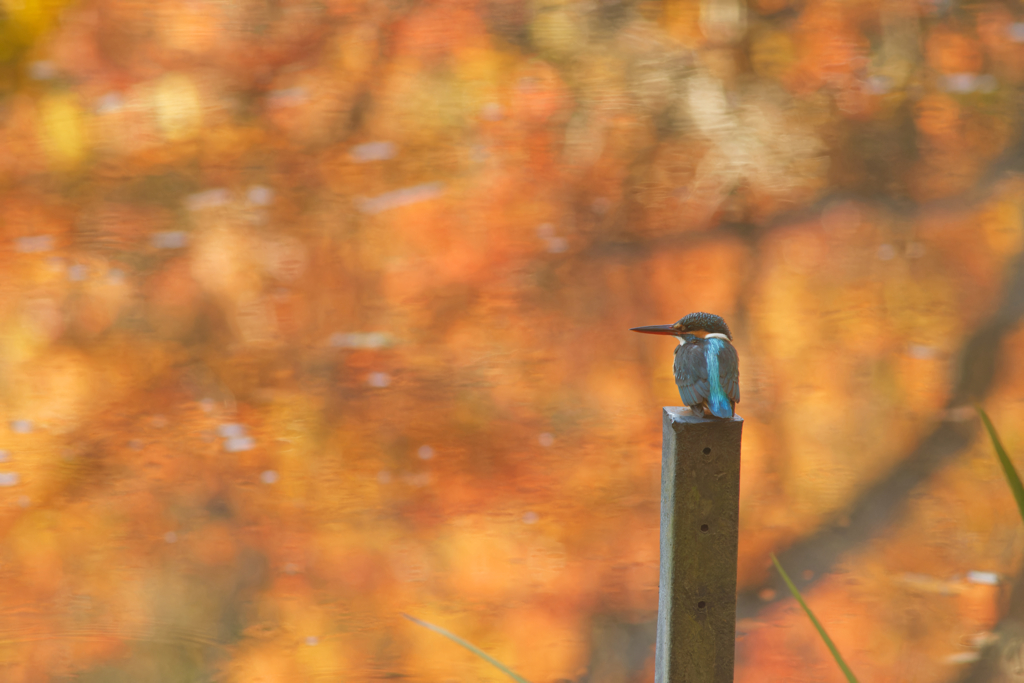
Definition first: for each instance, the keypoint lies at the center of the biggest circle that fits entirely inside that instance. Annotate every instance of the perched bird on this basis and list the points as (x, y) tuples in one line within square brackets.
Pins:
[(706, 367)]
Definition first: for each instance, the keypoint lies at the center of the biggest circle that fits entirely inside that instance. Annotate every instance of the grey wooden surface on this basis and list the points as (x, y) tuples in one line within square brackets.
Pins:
[(700, 493)]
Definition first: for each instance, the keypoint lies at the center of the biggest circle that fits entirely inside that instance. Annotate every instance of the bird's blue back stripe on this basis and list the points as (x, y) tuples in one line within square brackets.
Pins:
[(718, 402)]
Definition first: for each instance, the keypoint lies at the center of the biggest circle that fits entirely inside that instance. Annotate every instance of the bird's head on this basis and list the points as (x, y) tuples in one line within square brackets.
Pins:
[(697, 324)]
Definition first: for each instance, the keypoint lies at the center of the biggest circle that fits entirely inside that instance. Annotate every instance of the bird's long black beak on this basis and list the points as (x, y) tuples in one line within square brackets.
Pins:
[(655, 329)]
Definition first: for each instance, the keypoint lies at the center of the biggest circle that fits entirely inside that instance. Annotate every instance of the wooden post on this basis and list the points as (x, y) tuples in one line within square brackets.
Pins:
[(700, 496)]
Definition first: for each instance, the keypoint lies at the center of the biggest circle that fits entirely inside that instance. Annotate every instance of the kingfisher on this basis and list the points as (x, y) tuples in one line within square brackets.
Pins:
[(706, 367)]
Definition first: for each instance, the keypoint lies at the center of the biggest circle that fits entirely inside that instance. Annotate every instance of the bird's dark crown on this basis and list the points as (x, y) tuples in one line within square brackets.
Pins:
[(706, 322)]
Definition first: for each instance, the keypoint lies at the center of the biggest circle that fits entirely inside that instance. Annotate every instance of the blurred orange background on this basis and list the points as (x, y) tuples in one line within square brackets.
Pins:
[(315, 313)]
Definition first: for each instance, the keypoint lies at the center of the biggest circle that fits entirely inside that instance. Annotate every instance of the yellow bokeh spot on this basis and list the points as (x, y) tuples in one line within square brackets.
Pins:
[(557, 30), (178, 107), (62, 130), (32, 17)]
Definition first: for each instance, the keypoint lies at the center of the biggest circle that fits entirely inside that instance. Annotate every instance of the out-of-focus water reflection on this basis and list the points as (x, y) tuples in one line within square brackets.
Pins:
[(313, 314)]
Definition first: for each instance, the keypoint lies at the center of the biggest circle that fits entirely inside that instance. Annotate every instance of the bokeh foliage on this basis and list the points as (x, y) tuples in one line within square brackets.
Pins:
[(314, 313)]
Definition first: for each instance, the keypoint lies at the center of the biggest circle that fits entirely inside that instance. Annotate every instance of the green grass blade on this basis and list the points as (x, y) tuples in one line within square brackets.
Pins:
[(469, 646), (817, 624), (1012, 478)]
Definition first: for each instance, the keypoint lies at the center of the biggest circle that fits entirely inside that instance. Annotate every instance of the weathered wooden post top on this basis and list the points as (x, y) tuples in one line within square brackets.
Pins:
[(700, 495)]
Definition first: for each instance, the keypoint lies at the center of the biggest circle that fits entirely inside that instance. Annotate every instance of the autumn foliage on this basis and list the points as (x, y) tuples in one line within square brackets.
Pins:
[(314, 313)]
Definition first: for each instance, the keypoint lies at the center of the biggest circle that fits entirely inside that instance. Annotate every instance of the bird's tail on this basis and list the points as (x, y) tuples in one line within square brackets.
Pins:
[(720, 405)]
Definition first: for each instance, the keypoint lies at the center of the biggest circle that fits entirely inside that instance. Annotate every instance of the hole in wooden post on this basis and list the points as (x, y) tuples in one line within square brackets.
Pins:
[(701, 604), (706, 451), (704, 528)]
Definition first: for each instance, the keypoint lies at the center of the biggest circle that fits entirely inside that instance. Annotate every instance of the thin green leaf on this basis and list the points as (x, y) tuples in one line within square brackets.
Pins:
[(469, 646), (1012, 478), (817, 624)]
